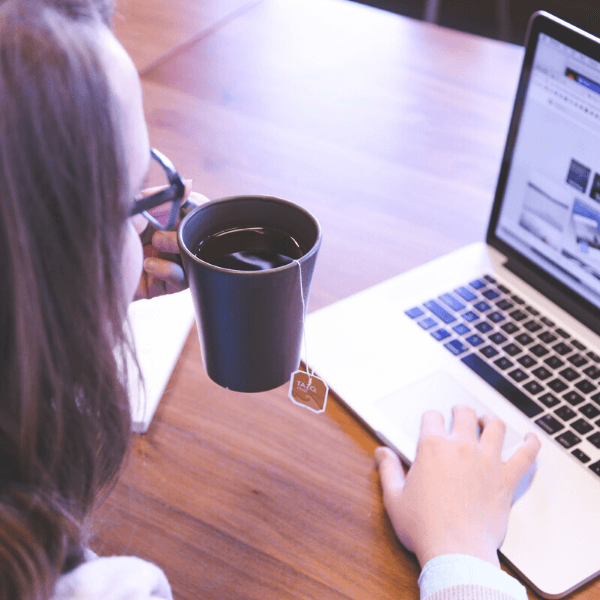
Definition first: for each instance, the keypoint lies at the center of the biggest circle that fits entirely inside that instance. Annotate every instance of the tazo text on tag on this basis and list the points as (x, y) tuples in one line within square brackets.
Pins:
[(308, 391)]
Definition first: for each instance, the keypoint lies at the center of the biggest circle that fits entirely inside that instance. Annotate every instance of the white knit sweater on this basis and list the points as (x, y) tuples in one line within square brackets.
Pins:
[(450, 577)]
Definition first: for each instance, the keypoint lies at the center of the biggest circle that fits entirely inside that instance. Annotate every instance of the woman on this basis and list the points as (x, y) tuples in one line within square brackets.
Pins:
[(74, 153)]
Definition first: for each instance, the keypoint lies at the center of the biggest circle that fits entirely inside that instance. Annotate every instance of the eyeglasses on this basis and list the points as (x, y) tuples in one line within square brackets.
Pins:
[(173, 194)]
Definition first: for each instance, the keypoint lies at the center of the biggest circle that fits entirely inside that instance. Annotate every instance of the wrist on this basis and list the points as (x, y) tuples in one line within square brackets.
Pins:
[(486, 552)]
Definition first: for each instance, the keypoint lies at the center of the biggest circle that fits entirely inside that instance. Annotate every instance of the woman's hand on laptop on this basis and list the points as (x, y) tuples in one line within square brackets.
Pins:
[(456, 496)]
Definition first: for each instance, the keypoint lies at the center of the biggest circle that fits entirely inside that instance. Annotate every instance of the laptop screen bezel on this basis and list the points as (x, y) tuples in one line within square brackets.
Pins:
[(551, 287)]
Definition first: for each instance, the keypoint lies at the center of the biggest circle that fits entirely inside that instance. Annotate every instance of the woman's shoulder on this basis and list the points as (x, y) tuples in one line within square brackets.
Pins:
[(114, 577)]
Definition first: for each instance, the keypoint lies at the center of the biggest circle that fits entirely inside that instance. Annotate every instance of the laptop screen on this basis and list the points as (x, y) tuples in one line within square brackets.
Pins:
[(550, 212)]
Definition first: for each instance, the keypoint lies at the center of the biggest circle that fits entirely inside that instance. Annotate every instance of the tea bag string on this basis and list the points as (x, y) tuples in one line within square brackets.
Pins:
[(309, 372)]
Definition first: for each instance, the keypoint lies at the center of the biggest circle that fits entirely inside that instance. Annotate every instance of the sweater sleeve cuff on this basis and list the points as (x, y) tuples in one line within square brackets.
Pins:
[(460, 569)]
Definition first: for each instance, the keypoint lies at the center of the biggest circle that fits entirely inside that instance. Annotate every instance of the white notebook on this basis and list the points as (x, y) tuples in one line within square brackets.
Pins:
[(160, 328)]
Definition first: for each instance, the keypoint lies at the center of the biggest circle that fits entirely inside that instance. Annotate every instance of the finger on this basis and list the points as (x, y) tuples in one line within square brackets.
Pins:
[(198, 198), (165, 241), (167, 271), (516, 466), (464, 423), (432, 423), (390, 471), (493, 432), (159, 188)]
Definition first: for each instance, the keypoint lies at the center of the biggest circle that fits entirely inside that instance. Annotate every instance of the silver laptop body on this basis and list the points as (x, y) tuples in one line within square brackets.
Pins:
[(379, 352)]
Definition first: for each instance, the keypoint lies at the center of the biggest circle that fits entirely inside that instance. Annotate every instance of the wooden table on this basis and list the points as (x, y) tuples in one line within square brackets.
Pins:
[(390, 131)]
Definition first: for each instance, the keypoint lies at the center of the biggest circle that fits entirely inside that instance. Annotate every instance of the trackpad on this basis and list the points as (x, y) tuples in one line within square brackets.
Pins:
[(441, 392)]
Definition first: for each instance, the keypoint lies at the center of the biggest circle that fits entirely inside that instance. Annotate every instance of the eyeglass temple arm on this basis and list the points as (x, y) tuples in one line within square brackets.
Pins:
[(187, 207)]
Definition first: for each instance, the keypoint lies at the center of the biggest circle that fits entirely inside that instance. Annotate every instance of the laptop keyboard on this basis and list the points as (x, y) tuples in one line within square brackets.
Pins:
[(537, 365)]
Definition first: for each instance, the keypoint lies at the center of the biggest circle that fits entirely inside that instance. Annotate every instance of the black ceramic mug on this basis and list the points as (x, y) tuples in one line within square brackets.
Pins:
[(250, 322)]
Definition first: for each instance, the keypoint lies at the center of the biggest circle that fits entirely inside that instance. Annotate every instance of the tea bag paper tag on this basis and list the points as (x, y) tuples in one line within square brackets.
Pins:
[(308, 391)]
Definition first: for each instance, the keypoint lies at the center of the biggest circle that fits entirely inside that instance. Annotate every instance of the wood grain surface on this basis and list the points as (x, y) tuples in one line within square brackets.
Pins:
[(391, 132)]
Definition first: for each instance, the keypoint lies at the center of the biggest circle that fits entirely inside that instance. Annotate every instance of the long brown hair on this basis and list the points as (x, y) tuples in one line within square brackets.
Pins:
[(64, 412)]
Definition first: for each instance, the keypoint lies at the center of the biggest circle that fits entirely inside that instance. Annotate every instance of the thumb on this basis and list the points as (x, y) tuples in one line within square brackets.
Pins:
[(390, 471)]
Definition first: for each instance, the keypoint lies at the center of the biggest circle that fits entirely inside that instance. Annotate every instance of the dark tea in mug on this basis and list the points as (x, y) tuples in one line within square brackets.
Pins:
[(249, 249)]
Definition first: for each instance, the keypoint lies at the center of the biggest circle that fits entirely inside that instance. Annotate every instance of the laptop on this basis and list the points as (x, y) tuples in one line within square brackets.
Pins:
[(510, 326)]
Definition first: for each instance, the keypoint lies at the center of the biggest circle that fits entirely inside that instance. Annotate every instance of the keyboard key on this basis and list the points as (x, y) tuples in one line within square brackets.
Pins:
[(482, 306), (547, 321), (502, 385), (456, 347), (578, 345), (582, 456), (489, 278), (549, 400), (590, 411), (549, 424), (495, 317), (577, 360), (524, 339), (511, 349), (542, 373), (503, 289), (570, 374), (510, 328), (565, 413), (582, 426), (497, 338), (593, 356), (452, 302), (465, 294), (518, 375), (595, 439), (527, 361), (557, 385), (474, 340), (554, 362), (490, 294), (427, 323), (532, 311), (477, 284), (573, 398), (518, 315), (563, 334), (592, 372), (562, 348), (595, 467), (483, 327), (503, 363), (469, 316), (538, 350), (533, 387), (567, 439), (596, 398), (585, 386), (489, 351), (504, 304), (440, 334), (517, 299), (547, 337), (532, 326), (439, 311), (461, 329), (413, 313)]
